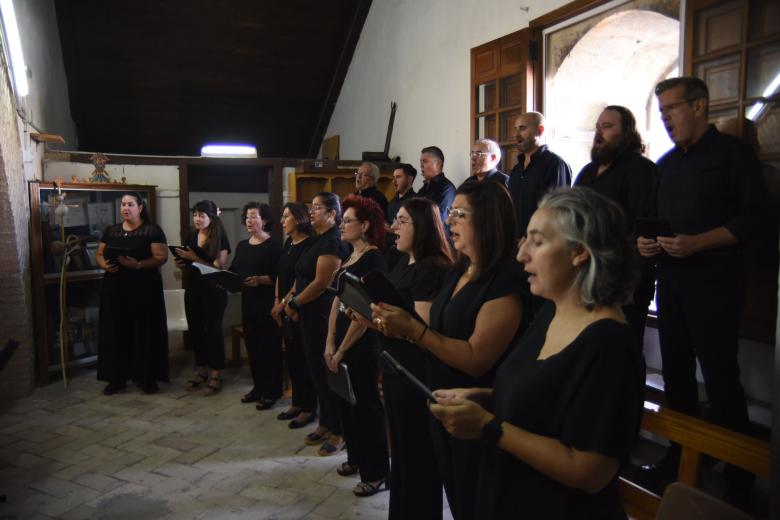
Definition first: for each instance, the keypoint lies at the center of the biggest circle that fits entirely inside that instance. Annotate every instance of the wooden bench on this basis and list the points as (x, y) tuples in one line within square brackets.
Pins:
[(696, 437)]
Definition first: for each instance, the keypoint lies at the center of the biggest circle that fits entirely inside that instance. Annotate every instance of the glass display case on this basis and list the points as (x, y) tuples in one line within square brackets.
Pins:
[(69, 223)]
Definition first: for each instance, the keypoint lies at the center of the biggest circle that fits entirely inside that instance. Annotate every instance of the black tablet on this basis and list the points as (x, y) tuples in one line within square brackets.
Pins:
[(111, 253), (398, 367), (174, 253)]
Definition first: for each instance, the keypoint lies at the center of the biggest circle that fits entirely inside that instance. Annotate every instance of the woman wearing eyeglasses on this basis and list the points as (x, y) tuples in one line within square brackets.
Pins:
[(311, 305), (473, 320), (351, 342)]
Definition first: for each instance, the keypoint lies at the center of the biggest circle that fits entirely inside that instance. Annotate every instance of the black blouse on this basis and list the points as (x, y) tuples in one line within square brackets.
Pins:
[(419, 282), (454, 316), (589, 396), (329, 243), (257, 260), (191, 274), (138, 242), (287, 261), (372, 260)]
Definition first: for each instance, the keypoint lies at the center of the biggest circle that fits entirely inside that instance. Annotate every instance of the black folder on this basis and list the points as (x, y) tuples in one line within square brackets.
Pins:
[(653, 228), (359, 293), (111, 253), (340, 383)]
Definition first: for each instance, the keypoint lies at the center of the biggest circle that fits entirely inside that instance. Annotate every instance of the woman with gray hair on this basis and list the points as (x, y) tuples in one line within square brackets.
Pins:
[(565, 409)]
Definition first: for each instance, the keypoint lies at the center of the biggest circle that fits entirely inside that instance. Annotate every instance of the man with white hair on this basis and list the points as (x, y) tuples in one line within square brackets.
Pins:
[(485, 156), (366, 177)]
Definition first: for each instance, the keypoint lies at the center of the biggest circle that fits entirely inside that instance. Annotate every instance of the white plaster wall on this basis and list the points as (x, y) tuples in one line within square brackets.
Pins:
[(47, 106), (417, 53)]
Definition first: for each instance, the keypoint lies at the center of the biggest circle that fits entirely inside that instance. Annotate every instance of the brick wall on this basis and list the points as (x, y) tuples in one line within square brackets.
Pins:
[(17, 379)]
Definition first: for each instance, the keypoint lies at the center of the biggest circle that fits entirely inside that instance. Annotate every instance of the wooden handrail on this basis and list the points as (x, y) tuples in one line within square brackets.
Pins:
[(696, 437)]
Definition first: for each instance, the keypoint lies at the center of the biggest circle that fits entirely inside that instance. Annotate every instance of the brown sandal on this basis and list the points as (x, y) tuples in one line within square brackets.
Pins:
[(195, 382), (213, 387)]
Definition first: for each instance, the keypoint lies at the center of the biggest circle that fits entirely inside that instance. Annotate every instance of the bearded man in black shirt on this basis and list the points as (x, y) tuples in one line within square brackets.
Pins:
[(711, 193), (620, 171)]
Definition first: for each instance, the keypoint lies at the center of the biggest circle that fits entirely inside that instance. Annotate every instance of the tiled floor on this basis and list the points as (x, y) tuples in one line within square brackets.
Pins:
[(76, 454)]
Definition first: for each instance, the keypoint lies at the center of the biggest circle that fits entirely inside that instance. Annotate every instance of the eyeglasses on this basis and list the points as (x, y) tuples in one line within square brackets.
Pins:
[(400, 221), (362, 174), (672, 107), (460, 213), (477, 154), (317, 207)]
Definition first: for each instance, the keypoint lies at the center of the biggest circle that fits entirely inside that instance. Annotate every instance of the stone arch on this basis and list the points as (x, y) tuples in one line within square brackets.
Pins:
[(617, 62)]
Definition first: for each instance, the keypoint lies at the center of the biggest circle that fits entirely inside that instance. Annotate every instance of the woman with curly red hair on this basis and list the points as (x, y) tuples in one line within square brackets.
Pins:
[(351, 342)]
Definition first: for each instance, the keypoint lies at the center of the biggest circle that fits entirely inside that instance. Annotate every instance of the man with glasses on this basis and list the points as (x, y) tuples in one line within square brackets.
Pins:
[(366, 178), (538, 169), (485, 156), (403, 178), (436, 186), (711, 194)]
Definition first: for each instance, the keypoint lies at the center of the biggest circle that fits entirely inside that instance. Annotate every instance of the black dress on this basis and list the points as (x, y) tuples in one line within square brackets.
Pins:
[(589, 396), (204, 305), (364, 423), (303, 394), (415, 484), (454, 316), (261, 335), (314, 322), (133, 326)]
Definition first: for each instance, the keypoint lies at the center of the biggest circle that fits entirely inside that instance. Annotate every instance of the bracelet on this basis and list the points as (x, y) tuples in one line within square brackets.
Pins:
[(294, 304), (418, 340), (138, 266)]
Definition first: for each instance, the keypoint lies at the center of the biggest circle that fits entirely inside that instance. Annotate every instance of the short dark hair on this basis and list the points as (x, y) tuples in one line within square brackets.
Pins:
[(265, 213), (331, 202), (408, 169), (693, 88), (300, 213), (628, 125), (430, 239), (493, 220), (585, 217), (367, 210), (436, 152)]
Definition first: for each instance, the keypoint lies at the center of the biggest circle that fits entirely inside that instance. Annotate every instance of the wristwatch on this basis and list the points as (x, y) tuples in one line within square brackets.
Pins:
[(294, 304), (492, 432)]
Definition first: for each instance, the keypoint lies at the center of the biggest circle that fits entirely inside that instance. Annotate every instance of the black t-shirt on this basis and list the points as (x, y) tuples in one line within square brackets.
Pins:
[(631, 181), (588, 396), (395, 204), (377, 196), (287, 261), (257, 260), (372, 260), (191, 274), (328, 243), (455, 317), (138, 242), (418, 282)]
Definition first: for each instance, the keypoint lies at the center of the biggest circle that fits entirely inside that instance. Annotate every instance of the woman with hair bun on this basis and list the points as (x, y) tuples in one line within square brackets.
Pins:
[(256, 259), (565, 408), (204, 303), (133, 342)]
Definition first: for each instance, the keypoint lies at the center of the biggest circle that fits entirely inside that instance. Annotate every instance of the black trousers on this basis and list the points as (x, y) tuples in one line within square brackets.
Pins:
[(415, 484), (364, 422), (636, 312), (303, 393), (700, 304), (264, 347), (204, 308), (458, 463), (314, 331)]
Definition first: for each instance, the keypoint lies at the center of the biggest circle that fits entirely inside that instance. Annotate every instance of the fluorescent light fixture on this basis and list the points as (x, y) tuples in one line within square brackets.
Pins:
[(759, 107), (15, 47), (228, 150)]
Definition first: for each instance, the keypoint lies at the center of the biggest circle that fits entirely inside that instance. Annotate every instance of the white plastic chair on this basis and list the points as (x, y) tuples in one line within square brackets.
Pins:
[(174, 308)]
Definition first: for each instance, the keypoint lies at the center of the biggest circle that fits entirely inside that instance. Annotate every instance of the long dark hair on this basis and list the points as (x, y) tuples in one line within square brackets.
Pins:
[(141, 202), (429, 236), (215, 231), (493, 220), (632, 137), (300, 213)]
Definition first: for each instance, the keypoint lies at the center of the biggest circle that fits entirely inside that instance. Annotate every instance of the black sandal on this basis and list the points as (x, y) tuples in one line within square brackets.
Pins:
[(196, 381), (346, 469), (367, 489), (213, 387)]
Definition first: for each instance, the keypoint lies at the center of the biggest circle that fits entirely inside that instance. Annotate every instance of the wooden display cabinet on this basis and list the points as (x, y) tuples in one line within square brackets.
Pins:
[(312, 177), (91, 208)]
